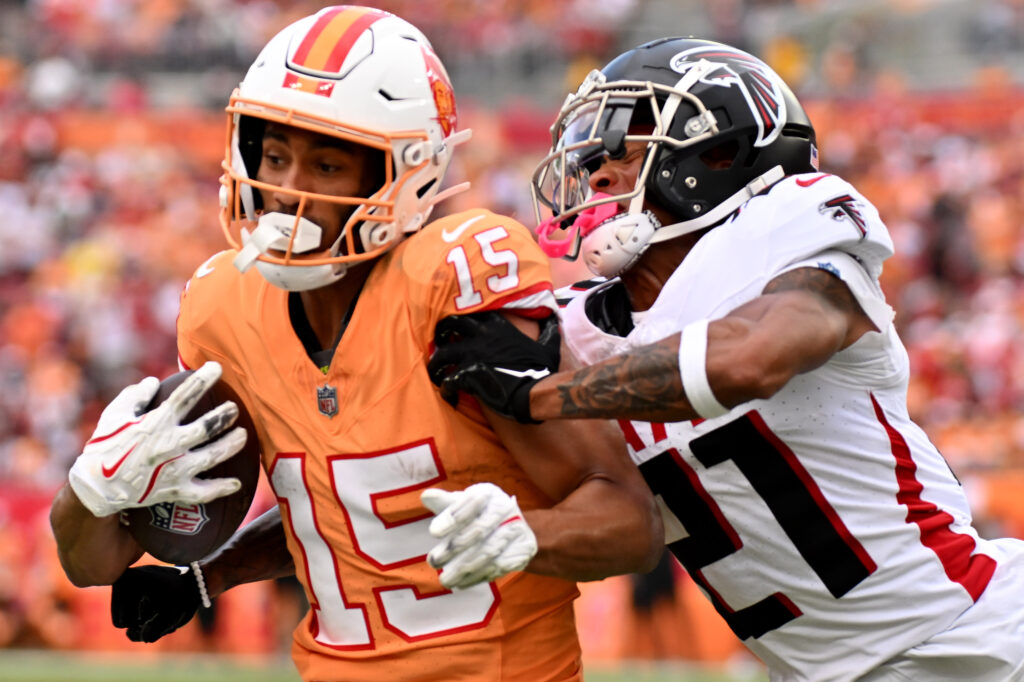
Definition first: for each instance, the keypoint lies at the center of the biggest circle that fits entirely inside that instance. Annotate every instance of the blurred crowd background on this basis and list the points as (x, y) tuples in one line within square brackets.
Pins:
[(111, 133)]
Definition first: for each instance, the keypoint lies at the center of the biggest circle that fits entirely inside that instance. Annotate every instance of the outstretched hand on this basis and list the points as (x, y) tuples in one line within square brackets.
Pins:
[(485, 355)]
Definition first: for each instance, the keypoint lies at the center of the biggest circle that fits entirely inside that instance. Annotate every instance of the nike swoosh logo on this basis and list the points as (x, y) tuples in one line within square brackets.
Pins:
[(811, 181), (454, 234), (205, 269), (108, 472), (531, 373)]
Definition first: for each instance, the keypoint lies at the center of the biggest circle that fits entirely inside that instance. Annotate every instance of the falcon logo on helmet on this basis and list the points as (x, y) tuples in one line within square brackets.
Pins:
[(758, 83), (716, 126)]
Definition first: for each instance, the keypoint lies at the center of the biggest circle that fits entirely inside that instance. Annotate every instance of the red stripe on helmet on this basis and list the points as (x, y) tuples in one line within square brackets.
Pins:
[(328, 42)]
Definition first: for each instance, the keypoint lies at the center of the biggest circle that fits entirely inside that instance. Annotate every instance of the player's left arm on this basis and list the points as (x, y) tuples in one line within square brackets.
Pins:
[(604, 521), (803, 317)]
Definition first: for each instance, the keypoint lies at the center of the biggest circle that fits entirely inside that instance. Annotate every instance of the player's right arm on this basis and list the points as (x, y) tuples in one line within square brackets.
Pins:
[(149, 602), (803, 317), (92, 550), (137, 458)]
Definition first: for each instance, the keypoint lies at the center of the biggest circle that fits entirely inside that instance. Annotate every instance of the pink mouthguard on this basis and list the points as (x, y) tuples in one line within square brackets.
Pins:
[(584, 224)]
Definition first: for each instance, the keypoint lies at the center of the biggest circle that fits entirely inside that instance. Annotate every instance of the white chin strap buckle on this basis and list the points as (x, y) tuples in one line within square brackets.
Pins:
[(274, 231), (618, 242)]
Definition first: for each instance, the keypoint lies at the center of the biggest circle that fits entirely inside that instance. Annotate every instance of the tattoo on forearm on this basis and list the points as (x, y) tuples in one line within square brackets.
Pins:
[(636, 386)]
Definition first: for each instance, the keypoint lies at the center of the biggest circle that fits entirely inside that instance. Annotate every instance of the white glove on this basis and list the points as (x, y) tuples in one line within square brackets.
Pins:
[(137, 461), (483, 534)]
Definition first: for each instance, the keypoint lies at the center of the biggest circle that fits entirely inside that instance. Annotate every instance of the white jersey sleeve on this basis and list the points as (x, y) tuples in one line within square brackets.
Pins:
[(863, 287), (800, 217)]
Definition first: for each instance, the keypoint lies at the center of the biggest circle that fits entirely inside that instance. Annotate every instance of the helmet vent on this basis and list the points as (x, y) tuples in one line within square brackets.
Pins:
[(798, 131), (422, 191)]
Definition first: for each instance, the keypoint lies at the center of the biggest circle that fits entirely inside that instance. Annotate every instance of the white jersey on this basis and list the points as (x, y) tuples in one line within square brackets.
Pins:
[(822, 523)]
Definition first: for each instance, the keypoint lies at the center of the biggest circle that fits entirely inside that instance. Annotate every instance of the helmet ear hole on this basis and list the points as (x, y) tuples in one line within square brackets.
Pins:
[(422, 191), (722, 156), (375, 171)]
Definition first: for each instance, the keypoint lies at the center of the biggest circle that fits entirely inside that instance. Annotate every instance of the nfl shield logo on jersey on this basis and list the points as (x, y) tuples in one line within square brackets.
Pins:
[(327, 400)]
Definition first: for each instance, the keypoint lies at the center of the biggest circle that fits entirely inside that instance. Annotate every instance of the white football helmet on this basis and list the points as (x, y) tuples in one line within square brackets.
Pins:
[(362, 75)]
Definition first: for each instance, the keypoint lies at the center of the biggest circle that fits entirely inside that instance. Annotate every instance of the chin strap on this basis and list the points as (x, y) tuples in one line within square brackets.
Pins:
[(449, 193), (751, 190)]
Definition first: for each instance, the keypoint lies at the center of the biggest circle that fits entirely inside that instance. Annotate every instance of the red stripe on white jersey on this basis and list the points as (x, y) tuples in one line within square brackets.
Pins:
[(953, 549)]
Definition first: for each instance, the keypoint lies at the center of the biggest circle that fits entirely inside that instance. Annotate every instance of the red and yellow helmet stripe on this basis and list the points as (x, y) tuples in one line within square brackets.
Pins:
[(327, 44)]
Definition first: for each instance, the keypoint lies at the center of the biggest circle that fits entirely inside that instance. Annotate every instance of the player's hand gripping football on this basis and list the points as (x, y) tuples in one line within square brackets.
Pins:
[(153, 601), (482, 534), (484, 354), (137, 458)]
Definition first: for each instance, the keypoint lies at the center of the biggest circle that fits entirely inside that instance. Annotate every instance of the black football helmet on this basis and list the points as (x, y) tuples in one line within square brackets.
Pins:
[(719, 126)]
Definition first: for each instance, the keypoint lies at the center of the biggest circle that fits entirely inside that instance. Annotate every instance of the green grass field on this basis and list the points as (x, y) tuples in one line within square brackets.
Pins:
[(50, 666)]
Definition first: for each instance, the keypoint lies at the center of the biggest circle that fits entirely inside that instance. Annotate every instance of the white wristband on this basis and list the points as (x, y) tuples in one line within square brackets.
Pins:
[(693, 351)]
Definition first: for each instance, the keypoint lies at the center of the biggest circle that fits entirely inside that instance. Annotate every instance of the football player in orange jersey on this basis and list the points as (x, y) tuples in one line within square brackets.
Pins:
[(322, 317)]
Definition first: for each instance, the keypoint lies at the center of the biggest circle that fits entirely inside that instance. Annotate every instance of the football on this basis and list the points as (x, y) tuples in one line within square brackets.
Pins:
[(179, 533)]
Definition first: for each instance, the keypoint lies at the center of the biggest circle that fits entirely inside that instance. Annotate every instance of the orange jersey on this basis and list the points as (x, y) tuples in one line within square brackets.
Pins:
[(348, 453)]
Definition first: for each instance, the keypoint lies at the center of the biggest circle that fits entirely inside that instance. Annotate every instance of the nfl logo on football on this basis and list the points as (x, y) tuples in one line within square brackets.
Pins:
[(186, 519), (327, 400)]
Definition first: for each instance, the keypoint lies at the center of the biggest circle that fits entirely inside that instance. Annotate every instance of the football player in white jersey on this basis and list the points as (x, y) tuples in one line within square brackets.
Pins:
[(740, 336)]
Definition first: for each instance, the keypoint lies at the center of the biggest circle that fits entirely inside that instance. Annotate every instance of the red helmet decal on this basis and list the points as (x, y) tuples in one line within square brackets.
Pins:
[(444, 94), (761, 87), (306, 84)]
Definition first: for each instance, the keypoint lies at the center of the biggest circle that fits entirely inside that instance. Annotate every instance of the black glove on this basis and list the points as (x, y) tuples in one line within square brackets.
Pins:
[(153, 601), (484, 354)]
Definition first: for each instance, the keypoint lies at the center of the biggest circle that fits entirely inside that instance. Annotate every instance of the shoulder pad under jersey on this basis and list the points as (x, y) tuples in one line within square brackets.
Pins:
[(805, 214)]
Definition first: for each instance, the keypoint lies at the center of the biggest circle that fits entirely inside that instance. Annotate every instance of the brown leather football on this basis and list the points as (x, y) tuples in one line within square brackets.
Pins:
[(179, 533)]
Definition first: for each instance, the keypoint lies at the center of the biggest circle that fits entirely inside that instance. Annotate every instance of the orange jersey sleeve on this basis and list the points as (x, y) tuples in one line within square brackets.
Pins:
[(479, 261)]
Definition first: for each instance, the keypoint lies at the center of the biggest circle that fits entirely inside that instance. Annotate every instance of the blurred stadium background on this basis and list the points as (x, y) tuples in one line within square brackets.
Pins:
[(111, 131)]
